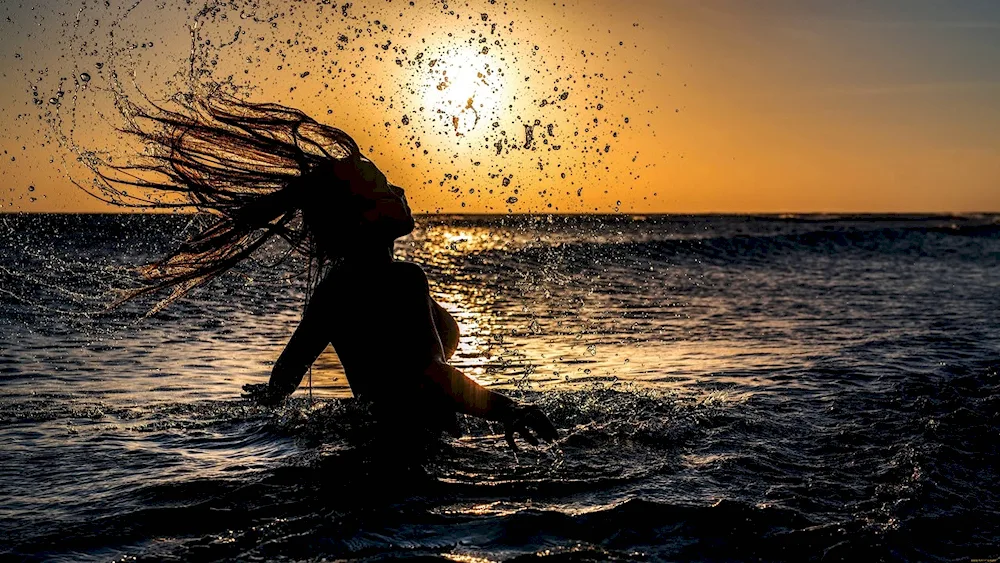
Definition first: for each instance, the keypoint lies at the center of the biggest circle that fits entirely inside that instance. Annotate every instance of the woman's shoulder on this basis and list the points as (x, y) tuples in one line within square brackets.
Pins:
[(402, 271), (395, 272), (404, 267)]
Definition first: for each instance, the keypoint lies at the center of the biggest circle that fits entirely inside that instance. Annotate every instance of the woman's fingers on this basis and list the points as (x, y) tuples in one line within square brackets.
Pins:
[(253, 390), (542, 426), (532, 424), (526, 435), (261, 394), (518, 427), (509, 435), (535, 419)]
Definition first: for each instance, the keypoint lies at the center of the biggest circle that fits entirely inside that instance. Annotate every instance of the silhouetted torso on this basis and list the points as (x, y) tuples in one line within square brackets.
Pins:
[(382, 323)]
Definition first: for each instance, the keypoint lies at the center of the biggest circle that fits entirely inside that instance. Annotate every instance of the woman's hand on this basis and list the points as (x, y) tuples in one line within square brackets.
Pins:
[(525, 419), (262, 394)]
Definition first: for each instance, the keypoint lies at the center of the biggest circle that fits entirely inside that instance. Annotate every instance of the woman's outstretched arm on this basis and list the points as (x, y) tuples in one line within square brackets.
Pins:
[(416, 311), (472, 398), (306, 344)]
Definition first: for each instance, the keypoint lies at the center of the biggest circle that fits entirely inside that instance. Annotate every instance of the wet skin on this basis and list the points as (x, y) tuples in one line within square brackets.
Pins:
[(392, 338)]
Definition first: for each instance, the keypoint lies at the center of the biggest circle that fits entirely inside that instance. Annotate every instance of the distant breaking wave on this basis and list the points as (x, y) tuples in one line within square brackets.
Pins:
[(900, 241)]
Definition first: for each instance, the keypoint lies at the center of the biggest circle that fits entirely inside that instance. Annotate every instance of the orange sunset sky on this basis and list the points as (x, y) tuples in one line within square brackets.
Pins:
[(569, 107)]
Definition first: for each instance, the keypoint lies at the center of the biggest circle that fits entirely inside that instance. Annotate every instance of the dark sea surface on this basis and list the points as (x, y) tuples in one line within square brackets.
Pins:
[(726, 389)]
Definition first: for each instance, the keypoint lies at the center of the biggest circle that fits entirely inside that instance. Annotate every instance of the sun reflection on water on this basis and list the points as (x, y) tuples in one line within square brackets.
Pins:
[(534, 322)]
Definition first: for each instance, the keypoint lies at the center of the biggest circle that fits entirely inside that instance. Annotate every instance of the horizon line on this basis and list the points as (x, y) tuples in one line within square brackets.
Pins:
[(570, 214)]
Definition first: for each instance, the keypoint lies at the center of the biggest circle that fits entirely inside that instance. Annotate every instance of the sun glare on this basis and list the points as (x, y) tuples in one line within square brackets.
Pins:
[(463, 88)]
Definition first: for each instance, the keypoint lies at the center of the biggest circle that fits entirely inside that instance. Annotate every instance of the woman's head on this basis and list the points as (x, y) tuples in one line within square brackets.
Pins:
[(383, 205), (352, 200)]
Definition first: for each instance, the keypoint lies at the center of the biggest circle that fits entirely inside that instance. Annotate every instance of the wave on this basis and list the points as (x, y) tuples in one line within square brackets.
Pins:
[(976, 242), (611, 490), (632, 530)]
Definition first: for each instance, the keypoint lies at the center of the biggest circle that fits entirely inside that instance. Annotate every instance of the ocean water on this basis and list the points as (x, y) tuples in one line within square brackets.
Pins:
[(725, 387)]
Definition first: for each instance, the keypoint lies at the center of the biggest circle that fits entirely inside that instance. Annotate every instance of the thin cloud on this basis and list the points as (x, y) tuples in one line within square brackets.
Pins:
[(915, 88), (921, 24)]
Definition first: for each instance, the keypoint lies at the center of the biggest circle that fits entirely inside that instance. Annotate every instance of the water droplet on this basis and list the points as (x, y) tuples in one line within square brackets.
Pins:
[(31, 188), (512, 200), (592, 350), (84, 77), (406, 120), (53, 101)]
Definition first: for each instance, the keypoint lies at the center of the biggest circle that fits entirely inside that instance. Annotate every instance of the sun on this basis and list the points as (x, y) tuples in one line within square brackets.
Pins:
[(463, 88)]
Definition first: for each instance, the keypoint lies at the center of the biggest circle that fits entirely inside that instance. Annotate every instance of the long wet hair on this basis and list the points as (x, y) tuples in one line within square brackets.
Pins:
[(251, 166)]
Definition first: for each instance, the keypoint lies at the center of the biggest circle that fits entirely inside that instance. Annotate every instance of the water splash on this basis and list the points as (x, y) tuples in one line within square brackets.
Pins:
[(459, 79)]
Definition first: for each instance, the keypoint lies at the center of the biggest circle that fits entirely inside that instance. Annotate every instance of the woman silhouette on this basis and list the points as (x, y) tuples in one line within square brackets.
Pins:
[(265, 170)]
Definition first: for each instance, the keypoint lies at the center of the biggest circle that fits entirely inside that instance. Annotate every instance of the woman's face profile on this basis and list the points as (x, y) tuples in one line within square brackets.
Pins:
[(382, 206)]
